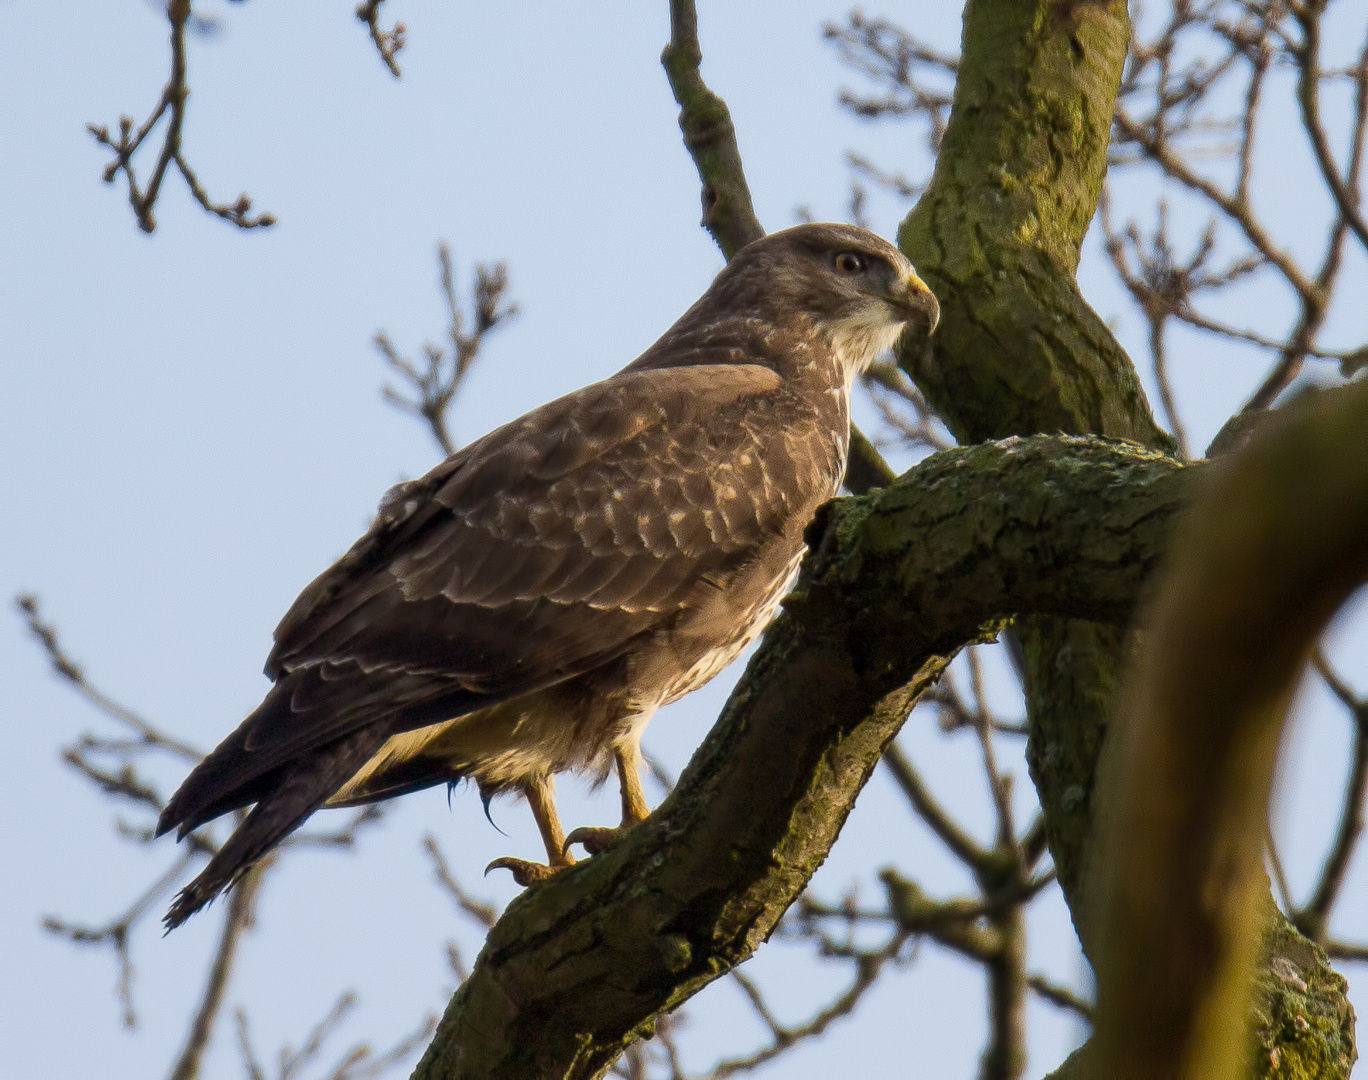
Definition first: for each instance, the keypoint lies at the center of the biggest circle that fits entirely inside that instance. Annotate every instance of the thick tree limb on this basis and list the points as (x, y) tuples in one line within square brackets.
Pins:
[(1277, 541), (898, 582), (997, 235)]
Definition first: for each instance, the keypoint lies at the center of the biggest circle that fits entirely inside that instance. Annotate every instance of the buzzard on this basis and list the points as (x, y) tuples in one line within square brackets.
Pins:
[(525, 607)]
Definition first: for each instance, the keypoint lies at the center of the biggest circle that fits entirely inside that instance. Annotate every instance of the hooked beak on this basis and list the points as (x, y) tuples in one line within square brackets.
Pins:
[(912, 296)]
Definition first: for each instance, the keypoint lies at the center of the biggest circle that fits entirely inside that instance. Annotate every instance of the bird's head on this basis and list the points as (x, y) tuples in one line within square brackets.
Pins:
[(857, 289)]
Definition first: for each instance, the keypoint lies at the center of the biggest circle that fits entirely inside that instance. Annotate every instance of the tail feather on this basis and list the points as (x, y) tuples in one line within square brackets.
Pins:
[(301, 789)]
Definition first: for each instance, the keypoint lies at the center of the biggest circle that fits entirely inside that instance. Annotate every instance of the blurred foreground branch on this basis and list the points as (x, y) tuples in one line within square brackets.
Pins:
[(1277, 540)]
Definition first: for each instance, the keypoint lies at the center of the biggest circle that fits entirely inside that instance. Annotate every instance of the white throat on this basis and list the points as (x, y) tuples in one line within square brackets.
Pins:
[(862, 338)]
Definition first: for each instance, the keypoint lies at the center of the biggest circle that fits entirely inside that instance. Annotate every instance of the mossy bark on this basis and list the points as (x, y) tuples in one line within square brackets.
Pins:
[(997, 235), (998, 232)]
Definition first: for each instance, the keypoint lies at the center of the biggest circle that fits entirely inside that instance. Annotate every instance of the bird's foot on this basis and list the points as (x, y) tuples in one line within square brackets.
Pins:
[(526, 873), (596, 841)]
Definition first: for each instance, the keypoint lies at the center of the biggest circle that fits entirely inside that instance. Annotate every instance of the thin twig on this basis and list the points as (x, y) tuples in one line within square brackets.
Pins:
[(440, 379), (116, 933), (238, 918), (1313, 918), (868, 966), (1344, 188), (1060, 995), (483, 912), (388, 43), (171, 105), (965, 847), (1343, 950), (72, 672)]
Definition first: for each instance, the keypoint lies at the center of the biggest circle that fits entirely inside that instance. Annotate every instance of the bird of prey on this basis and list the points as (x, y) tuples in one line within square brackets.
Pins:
[(524, 608)]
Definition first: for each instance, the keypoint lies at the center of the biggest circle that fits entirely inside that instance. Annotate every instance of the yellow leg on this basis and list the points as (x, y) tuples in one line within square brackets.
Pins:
[(541, 797), (634, 807)]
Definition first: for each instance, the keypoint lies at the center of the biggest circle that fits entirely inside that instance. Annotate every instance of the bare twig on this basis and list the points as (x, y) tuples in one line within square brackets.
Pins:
[(388, 43), (292, 1061), (172, 106), (903, 408), (116, 933), (1279, 874), (482, 911), (1343, 950), (1343, 186), (439, 380), (1061, 996), (905, 70), (1313, 918), (361, 1064), (344, 837), (72, 672), (867, 965), (960, 843), (239, 917)]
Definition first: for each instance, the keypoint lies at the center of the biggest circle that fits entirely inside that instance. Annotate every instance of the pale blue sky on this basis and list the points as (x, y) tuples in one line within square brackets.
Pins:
[(192, 428)]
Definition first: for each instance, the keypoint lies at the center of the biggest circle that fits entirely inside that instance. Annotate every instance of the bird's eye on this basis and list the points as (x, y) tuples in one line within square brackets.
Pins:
[(849, 263)]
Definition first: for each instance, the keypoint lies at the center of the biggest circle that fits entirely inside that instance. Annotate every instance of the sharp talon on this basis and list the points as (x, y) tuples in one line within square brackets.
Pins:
[(524, 873), (485, 797), (595, 841)]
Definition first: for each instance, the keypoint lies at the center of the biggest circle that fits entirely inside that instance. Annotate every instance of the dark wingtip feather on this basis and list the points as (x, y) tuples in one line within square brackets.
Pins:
[(195, 896), (296, 794)]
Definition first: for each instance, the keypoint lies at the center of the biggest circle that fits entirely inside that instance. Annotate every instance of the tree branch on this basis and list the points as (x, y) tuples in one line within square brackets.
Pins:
[(1313, 919), (898, 582), (72, 672), (960, 843), (388, 43), (237, 919), (710, 137), (1344, 188), (171, 104), (998, 232)]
